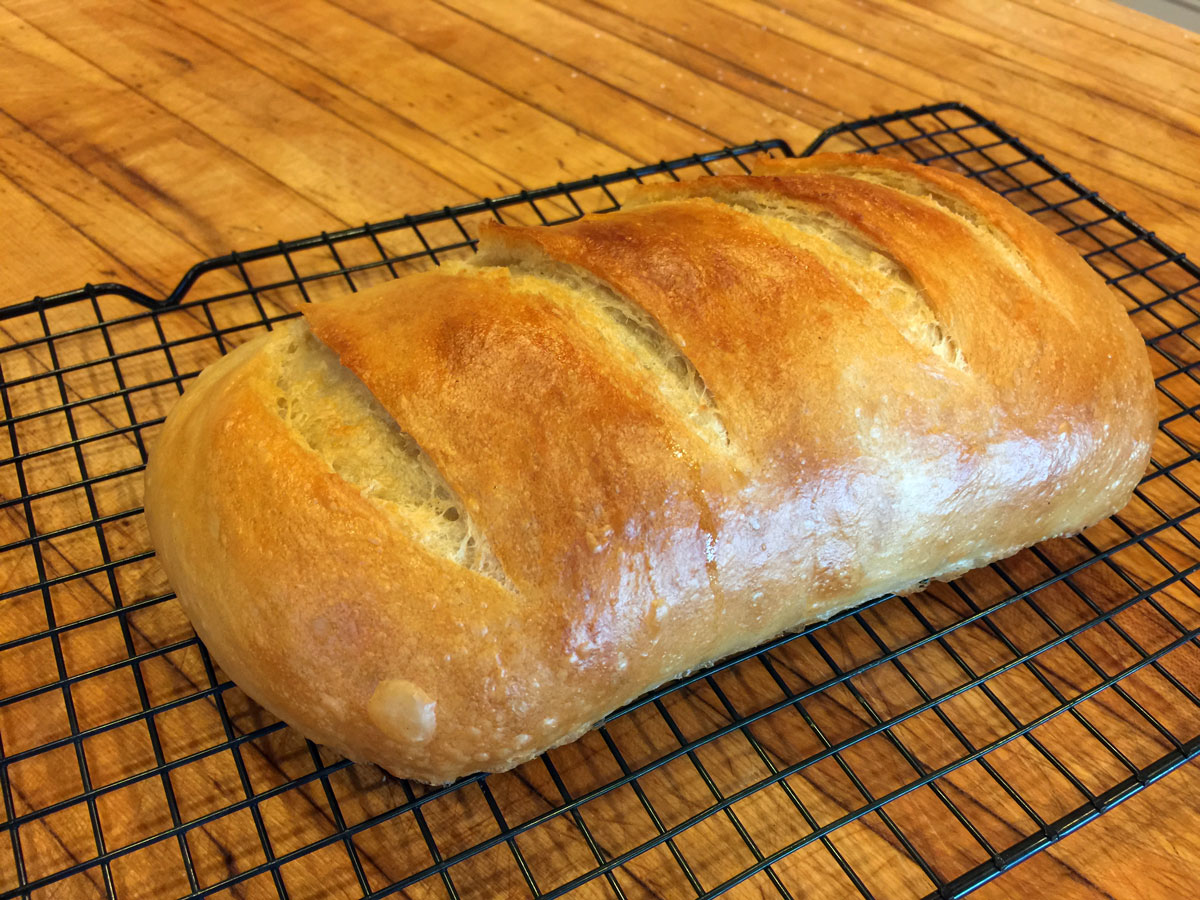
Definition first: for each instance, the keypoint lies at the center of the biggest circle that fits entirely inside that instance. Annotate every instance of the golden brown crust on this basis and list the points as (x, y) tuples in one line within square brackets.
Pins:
[(747, 308), (633, 546), (307, 597)]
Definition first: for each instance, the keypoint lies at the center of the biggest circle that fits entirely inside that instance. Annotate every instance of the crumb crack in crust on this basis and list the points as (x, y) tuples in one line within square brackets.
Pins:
[(333, 414), (865, 267), (628, 330)]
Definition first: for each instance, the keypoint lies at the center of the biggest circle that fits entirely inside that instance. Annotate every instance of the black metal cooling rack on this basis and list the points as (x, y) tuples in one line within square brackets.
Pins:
[(913, 747)]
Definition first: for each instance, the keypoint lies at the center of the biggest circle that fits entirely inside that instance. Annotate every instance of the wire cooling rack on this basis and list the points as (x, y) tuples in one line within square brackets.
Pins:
[(913, 747)]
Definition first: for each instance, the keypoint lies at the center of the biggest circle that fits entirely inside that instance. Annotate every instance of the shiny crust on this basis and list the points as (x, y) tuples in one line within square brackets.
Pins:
[(858, 462)]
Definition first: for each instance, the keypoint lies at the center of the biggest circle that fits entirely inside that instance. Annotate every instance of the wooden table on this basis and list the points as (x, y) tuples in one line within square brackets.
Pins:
[(139, 137)]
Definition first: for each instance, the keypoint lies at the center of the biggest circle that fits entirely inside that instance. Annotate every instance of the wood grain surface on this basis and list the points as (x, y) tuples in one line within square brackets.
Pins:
[(139, 137)]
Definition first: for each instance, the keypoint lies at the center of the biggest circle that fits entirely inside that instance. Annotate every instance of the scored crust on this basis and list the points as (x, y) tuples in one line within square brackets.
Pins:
[(671, 433)]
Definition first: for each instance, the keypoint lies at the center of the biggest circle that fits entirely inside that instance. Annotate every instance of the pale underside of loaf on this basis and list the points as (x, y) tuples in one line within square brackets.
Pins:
[(489, 505)]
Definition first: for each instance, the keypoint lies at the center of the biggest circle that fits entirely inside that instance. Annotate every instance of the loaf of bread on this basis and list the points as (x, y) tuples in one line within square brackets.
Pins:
[(452, 521)]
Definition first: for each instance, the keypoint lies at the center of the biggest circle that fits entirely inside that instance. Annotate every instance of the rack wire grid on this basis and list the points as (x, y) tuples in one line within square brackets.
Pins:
[(914, 747)]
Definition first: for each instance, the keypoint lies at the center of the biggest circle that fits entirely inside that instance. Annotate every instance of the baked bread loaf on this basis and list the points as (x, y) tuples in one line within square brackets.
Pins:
[(450, 522)]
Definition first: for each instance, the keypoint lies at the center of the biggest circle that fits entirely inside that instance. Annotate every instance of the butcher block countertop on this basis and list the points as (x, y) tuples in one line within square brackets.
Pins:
[(141, 136)]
